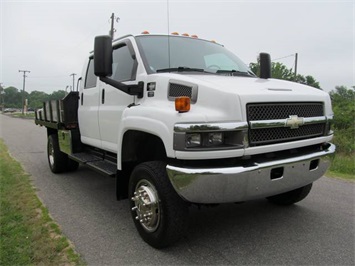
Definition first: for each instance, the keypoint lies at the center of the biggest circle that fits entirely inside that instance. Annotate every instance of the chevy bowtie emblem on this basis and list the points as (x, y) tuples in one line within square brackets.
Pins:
[(294, 122)]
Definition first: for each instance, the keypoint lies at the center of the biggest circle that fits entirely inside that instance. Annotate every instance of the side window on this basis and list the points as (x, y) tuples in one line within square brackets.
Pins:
[(91, 79), (123, 67)]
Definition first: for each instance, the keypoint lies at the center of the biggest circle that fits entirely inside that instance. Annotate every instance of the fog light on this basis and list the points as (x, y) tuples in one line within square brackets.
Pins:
[(193, 140)]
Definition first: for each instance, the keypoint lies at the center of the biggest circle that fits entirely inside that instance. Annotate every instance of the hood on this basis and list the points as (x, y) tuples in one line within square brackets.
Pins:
[(253, 87)]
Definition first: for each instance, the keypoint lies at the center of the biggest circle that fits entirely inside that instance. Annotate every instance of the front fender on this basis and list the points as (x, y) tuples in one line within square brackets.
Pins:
[(147, 125)]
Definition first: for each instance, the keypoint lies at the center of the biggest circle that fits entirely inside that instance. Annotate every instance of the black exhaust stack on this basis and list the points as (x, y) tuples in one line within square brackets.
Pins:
[(265, 66)]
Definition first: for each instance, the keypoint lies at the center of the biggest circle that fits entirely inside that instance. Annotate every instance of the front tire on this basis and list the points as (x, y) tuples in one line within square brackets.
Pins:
[(291, 197), (158, 212)]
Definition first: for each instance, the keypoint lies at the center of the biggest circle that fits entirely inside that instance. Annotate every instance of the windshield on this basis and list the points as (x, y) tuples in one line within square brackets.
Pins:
[(187, 53)]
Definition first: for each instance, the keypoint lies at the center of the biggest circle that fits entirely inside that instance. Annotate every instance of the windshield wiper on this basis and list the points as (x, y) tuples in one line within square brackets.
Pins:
[(234, 72), (182, 69)]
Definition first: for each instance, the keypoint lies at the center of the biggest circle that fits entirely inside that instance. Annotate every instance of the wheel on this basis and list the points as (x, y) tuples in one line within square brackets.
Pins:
[(158, 212), (57, 160), (292, 196)]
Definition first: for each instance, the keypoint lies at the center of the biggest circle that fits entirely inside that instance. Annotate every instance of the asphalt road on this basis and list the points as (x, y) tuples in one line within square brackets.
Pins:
[(317, 231)]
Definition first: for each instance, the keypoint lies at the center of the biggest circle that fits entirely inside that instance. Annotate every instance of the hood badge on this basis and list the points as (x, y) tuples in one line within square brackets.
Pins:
[(294, 122)]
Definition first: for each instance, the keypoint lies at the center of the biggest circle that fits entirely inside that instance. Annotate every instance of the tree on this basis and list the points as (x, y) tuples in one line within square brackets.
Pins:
[(344, 117), (343, 107), (57, 95), (13, 98), (280, 71), (36, 99)]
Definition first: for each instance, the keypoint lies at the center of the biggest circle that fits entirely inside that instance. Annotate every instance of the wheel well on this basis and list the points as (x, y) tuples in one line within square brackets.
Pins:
[(138, 146), (51, 131)]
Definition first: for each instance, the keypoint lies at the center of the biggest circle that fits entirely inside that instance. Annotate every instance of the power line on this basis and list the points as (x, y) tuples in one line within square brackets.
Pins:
[(283, 57)]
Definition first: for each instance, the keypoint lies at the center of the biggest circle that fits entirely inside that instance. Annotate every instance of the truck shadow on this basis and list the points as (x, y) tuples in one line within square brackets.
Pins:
[(245, 227)]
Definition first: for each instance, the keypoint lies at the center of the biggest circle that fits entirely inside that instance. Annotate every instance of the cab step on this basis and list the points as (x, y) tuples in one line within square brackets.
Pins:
[(95, 162)]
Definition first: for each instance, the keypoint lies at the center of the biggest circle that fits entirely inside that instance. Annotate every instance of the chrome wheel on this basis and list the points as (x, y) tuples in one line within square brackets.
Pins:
[(51, 154), (146, 205)]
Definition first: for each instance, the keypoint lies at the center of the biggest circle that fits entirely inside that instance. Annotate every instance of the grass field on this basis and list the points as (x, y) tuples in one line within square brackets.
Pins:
[(343, 166), (28, 235)]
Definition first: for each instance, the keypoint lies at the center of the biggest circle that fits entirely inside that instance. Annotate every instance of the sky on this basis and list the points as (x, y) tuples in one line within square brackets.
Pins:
[(51, 39)]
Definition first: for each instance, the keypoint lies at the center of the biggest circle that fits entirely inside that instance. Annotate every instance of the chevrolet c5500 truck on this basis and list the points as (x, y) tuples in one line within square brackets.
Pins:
[(178, 120)]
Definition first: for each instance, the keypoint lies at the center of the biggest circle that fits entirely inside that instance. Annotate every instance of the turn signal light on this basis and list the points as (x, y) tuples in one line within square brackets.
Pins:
[(182, 104)]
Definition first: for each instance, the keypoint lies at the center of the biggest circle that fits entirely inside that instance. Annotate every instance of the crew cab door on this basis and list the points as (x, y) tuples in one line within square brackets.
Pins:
[(113, 101), (88, 112)]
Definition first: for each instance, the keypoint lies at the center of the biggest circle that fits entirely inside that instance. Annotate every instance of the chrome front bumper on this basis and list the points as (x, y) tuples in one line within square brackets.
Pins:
[(233, 184)]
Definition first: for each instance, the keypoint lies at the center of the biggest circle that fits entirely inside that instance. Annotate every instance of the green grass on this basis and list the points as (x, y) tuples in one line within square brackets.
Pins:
[(28, 235), (28, 115), (343, 166)]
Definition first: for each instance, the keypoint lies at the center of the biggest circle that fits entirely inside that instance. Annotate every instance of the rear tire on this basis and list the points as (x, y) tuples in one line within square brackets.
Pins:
[(291, 197), (158, 212), (58, 161)]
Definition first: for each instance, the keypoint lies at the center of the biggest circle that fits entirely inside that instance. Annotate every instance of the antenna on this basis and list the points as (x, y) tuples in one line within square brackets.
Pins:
[(168, 13), (167, 10)]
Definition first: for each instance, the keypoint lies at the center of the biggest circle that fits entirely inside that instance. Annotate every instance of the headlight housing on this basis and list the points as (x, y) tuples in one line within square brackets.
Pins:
[(215, 136)]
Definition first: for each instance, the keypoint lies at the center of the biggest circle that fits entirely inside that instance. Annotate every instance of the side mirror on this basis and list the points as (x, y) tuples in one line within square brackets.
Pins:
[(265, 66), (103, 56)]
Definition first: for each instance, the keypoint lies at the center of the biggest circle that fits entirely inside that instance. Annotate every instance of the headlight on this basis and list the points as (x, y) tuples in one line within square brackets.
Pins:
[(215, 139), (193, 140)]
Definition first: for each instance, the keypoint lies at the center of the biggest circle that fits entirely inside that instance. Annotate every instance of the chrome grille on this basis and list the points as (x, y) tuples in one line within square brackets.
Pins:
[(275, 111), (282, 134), (271, 111)]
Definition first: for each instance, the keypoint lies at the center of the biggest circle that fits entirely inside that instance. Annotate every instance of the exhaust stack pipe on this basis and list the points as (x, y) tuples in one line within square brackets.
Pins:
[(265, 66)]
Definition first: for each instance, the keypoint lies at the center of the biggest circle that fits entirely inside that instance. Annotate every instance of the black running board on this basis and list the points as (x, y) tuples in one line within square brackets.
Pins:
[(95, 162)]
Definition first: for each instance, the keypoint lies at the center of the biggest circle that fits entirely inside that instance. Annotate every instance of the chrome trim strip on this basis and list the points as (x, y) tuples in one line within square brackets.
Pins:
[(233, 184), (210, 127), (259, 124)]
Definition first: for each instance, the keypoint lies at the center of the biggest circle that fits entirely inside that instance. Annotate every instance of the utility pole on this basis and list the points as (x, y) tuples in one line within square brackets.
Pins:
[(112, 30), (23, 89), (112, 22), (73, 74), (296, 60)]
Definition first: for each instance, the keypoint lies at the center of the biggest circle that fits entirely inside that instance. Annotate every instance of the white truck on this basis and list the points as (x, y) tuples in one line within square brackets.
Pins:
[(178, 120)]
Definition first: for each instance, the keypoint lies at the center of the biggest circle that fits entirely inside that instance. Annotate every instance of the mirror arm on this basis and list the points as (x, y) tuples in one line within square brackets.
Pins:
[(136, 89)]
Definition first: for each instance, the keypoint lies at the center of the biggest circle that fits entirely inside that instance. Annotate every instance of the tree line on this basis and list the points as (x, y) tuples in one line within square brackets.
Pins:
[(11, 97), (343, 99)]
